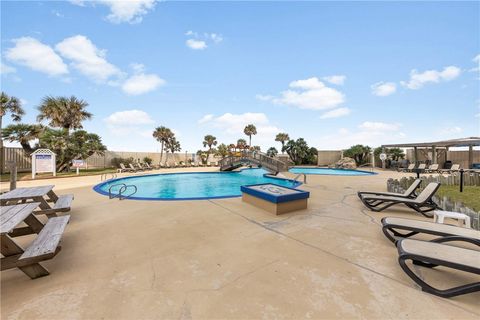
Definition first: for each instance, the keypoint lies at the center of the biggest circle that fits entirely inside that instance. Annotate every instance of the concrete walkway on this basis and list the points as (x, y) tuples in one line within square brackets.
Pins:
[(222, 259)]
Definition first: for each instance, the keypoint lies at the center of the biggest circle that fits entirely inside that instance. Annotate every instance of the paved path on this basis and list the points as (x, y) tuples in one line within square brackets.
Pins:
[(225, 259)]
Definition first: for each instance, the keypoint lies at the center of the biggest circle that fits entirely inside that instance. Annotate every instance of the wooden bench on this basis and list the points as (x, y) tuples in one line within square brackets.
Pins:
[(64, 203), (46, 245)]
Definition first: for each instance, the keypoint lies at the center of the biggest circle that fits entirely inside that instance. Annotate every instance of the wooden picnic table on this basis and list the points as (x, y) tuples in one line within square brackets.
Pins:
[(44, 247), (43, 195)]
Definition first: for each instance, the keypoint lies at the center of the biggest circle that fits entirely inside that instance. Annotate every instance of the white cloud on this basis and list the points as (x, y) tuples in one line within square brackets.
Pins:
[(205, 118), (87, 58), (451, 130), (196, 44), (140, 82), (336, 113), (369, 133), (476, 59), (310, 94), (131, 11), (232, 125), (37, 56), (129, 118), (336, 79), (58, 14), (198, 41), (379, 126), (418, 80), (383, 89), (129, 122), (217, 38), (264, 97), (5, 69)]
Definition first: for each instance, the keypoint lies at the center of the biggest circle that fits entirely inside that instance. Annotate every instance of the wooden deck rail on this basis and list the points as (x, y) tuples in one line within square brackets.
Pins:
[(257, 158)]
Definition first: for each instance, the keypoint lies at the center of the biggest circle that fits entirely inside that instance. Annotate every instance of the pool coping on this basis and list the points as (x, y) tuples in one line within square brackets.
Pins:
[(369, 173), (97, 188)]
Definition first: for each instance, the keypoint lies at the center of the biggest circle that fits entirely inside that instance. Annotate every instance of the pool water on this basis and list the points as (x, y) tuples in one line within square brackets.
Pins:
[(332, 172), (189, 186)]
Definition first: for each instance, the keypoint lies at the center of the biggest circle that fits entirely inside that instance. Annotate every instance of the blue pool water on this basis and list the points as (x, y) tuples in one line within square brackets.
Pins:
[(332, 172), (182, 186)]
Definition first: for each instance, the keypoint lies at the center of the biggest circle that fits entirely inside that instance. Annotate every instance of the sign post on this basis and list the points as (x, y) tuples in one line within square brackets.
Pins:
[(43, 160), (77, 164), (383, 157)]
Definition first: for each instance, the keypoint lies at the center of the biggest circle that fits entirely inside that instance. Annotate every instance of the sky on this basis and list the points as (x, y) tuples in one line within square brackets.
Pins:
[(334, 73)]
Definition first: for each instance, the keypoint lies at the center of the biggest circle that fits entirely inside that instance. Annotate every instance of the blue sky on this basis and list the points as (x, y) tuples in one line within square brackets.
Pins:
[(335, 73)]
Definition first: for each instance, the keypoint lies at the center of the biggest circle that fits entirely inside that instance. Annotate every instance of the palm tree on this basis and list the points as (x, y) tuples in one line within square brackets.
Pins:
[(209, 141), (272, 152), (232, 146), (10, 105), (172, 145), (241, 144), (282, 138), (23, 134), (249, 131), (222, 150), (64, 112), (162, 134)]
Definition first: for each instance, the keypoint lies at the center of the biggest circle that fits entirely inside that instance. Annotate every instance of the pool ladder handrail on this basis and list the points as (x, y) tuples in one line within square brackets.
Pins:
[(121, 191), (366, 165), (105, 175), (298, 176)]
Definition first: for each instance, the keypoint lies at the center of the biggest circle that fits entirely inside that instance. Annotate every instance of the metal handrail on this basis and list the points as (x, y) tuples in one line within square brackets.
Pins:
[(365, 165), (304, 177), (122, 189), (110, 196), (114, 175)]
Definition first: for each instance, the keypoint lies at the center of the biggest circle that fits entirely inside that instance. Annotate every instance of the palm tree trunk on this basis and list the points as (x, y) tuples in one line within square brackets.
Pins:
[(1, 137), (250, 140), (161, 153)]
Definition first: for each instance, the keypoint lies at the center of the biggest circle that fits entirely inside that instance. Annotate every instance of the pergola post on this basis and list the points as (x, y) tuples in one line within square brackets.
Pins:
[(470, 156), (383, 162), (434, 155), (415, 155)]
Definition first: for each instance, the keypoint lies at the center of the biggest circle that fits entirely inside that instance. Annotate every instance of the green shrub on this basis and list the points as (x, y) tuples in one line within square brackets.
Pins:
[(148, 160), (126, 161)]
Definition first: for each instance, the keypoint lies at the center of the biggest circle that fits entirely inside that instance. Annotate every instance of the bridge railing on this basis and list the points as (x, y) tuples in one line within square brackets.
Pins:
[(255, 157)]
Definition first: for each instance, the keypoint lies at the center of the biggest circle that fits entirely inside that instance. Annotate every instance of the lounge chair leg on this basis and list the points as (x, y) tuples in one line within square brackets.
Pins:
[(387, 229), (447, 293)]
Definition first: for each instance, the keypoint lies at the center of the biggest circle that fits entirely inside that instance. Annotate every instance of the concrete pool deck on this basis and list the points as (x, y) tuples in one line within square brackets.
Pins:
[(221, 259)]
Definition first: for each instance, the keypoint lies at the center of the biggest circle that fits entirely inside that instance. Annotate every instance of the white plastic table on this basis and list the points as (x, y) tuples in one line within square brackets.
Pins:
[(463, 220)]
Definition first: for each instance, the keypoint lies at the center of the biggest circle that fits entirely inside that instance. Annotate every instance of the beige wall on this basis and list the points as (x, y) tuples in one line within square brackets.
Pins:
[(327, 157), (98, 161)]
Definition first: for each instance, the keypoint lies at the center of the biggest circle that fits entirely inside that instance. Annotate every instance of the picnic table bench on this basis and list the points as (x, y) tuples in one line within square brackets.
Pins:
[(44, 247), (43, 195)]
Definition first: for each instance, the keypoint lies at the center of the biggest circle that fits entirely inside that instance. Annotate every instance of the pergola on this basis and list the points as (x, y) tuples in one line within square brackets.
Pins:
[(443, 145)]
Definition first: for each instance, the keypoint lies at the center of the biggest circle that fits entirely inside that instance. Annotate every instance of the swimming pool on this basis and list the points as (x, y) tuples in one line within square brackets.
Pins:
[(331, 172), (192, 186)]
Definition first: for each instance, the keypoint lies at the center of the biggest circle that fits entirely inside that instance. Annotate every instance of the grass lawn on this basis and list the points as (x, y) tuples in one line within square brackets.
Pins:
[(470, 195), (22, 176)]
